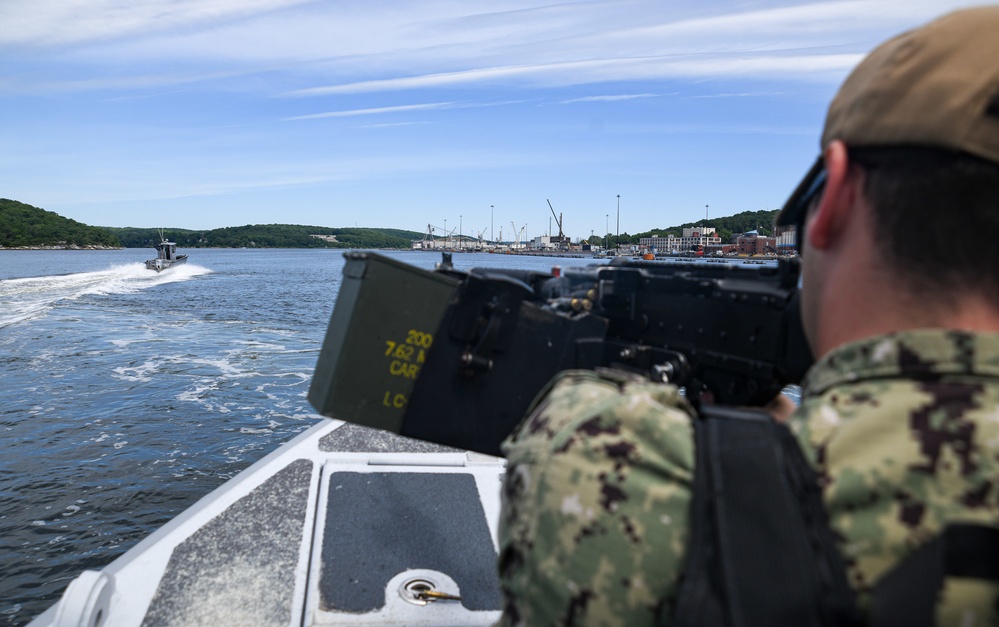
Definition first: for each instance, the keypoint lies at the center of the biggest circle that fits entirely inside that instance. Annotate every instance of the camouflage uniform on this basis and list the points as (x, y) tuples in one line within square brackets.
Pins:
[(595, 504)]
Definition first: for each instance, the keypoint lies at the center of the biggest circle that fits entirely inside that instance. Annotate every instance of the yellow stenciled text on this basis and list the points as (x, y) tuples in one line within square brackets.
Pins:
[(407, 356), (397, 401)]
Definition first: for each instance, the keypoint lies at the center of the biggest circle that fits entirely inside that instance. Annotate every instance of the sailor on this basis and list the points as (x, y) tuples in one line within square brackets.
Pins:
[(899, 416)]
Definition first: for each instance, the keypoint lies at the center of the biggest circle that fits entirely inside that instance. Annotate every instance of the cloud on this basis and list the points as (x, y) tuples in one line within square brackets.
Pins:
[(403, 109), (60, 22), (320, 49), (583, 44), (414, 82), (377, 110), (756, 94), (818, 67), (612, 98)]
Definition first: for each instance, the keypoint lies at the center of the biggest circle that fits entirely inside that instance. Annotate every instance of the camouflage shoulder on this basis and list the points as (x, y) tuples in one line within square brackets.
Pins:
[(594, 522), (587, 399)]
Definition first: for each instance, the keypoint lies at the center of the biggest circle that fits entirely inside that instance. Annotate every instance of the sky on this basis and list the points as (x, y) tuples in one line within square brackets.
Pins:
[(431, 115)]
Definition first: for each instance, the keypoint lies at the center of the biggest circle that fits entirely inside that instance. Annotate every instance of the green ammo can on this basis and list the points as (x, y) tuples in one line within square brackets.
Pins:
[(383, 324)]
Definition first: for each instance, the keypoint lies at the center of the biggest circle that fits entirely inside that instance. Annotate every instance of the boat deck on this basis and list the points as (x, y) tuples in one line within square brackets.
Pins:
[(343, 525)]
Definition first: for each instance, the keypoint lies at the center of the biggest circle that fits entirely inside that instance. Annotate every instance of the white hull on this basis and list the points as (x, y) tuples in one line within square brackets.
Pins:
[(162, 264), (341, 526)]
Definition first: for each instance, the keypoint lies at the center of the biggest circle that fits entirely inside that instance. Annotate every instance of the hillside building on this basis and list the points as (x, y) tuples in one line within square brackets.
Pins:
[(692, 239)]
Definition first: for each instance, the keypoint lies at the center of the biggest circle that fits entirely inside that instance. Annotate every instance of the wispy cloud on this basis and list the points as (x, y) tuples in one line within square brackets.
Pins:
[(611, 70), (60, 22), (377, 110), (585, 45), (321, 49), (612, 98), (418, 82), (745, 94), (430, 106)]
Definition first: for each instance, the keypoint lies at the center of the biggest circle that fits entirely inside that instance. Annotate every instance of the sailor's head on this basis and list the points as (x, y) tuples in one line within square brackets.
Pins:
[(935, 87), (910, 158)]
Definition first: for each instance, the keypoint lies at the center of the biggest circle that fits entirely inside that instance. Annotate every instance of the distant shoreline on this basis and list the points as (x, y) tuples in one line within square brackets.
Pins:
[(537, 253), (64, 247)]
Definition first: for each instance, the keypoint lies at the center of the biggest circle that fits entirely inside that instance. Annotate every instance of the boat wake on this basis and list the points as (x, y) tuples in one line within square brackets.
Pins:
[(32, 297)]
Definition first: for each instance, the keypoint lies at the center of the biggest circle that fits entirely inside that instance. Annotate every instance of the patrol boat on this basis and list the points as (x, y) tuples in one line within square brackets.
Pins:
[(166, 256)]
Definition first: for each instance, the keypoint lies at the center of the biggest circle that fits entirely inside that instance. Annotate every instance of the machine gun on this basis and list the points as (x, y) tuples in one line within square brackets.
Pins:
[(457, 357)]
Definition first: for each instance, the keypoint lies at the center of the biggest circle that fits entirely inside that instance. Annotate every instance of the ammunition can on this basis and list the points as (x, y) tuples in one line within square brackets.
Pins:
[(383, 324)]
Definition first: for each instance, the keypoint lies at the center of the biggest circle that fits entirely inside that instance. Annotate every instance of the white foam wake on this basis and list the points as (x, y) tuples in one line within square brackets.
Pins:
[(27, 298)]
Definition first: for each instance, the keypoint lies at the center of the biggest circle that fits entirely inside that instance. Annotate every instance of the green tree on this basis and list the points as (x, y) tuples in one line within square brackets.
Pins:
[(24, 225), (726, 227), (271, 236)]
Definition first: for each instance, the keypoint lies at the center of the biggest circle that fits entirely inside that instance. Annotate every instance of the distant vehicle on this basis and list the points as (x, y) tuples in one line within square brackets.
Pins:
[(166, 256)]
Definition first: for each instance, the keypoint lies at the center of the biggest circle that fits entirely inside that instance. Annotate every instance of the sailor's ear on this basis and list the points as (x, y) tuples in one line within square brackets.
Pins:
[(836, 205)]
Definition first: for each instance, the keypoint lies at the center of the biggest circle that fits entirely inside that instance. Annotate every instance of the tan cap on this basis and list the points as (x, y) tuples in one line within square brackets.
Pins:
[(935, 86)]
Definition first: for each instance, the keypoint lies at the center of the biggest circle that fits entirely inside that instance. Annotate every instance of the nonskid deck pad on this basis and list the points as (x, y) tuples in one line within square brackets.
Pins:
[(381, 524)]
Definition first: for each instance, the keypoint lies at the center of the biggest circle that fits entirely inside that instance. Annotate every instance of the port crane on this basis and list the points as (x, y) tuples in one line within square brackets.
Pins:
[(558, 221), (430, 234), (518, 234)]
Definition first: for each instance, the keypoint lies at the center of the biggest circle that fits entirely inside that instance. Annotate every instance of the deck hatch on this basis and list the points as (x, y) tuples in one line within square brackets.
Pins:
[(379, 524)]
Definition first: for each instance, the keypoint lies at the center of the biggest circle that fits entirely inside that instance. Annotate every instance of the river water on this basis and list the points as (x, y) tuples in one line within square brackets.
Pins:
[(125, 395)]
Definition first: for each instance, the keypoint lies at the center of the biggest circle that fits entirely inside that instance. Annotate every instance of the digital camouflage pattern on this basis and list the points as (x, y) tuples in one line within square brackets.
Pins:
[(902, 429), (904, 433), (595, 502)]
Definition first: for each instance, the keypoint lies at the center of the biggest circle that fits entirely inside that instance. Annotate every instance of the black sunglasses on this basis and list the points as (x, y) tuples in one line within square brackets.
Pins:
[(801, 207), (795, 210)]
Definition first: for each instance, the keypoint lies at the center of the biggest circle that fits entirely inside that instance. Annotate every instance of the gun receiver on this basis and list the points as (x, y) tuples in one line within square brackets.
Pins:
[(483, 353)]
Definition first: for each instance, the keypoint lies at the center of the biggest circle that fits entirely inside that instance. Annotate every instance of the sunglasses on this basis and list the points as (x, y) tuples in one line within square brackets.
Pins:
[(795, 211), (813, 192)]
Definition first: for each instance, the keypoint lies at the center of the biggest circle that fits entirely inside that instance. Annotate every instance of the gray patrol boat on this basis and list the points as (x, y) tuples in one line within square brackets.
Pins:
[(166, 256)]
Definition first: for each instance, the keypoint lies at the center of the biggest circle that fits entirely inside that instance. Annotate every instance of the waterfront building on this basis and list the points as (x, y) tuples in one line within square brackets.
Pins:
[(752, 243), (692, 239)]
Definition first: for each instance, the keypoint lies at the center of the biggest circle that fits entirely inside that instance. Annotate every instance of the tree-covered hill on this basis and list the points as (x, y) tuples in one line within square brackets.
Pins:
[(726, 226), (270, 236), (24, 225)]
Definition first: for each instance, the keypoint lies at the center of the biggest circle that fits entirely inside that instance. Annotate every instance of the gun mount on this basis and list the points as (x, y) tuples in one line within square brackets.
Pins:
[(457, 357)]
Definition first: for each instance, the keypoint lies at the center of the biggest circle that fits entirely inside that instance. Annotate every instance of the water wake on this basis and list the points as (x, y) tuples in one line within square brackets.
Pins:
[(28, 298)]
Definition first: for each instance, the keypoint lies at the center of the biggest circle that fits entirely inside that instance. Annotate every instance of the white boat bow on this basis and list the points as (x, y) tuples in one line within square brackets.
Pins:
[(343, 525)]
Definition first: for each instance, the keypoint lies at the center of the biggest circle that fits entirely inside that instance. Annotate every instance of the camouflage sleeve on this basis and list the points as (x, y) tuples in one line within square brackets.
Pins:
[(900, 460), (595, 503)]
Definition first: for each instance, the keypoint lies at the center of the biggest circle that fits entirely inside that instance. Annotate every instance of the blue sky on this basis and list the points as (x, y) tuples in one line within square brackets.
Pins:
[(207, 113)]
